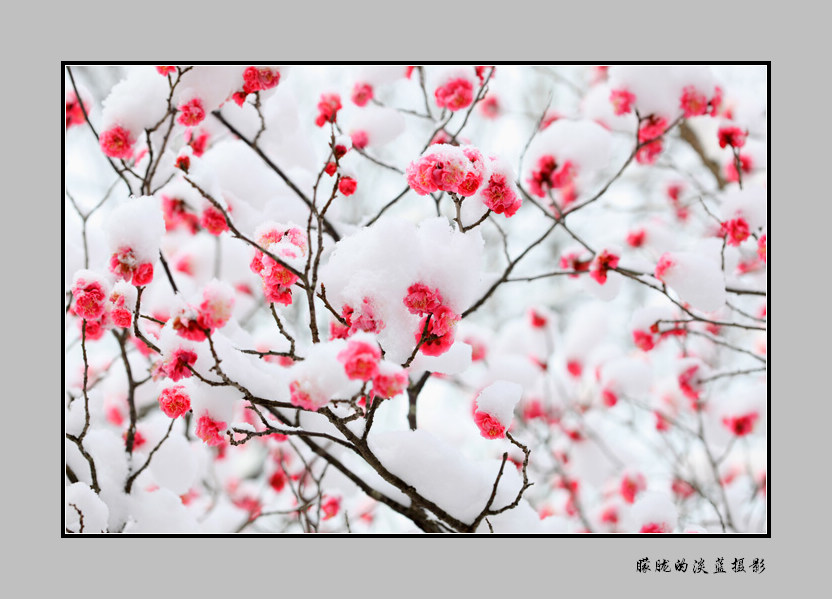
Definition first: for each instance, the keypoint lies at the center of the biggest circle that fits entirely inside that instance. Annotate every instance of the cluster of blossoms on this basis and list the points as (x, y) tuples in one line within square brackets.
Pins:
[(121, 300), (176, 365), (550, 174), (577, 261), (328, 108), (213, 220), (455, 94), (124, 265), (89, 295), (646, 340), (443, 167), (254, 80), (98, 307), (456, 88), (622, 101), (287, 243), (194, 322), (191, 113), (436, 330), (650, 139), (603, 262), (210, 430), (362, 318), (693, 101), (463, 170), (362, 361)]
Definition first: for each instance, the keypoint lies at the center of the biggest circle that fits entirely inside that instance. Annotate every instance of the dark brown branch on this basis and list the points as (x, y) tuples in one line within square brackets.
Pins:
[(412, 396), (89, 459), (129, 484)]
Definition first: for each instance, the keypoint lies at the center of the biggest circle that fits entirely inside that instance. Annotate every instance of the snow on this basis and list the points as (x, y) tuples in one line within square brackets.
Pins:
[(138, 223), (137, 102), (751, 203), (212, 84), (631, 376), (441, 474), (381, 124), (380, 262), (499, 400), (584, 143), (87, 277), (454, 361), (652, 507), (159, 511), (174, 465), (697, 279), (81, 498), (658, 88), (322, 374), (596, 106)]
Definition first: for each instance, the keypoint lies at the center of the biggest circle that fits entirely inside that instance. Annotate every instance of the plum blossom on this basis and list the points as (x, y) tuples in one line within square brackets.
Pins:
[(117, 142), (455, 94), (174, 401), (210, 430), (360, 359)]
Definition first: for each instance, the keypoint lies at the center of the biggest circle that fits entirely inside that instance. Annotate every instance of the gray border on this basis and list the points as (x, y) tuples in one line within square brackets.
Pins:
[(415, 566)]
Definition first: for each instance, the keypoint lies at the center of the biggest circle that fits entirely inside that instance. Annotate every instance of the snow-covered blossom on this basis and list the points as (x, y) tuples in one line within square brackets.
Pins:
[(389, 380), (360, 359), (260, 79), (494, 408), (175, 366), (421, 299), (287, 243), (499, 192)]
